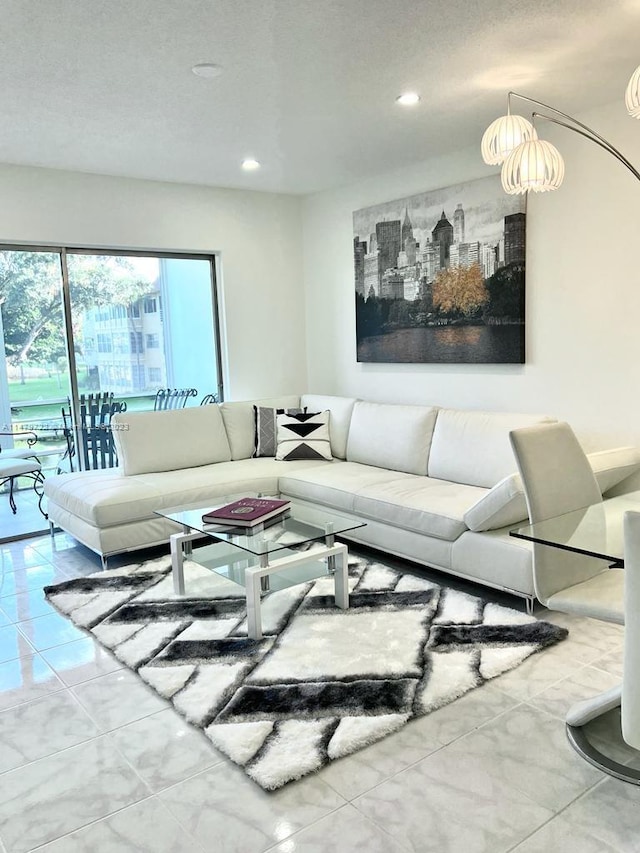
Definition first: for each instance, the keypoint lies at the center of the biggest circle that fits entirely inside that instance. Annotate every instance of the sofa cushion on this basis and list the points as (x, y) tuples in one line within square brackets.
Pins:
[(424, 505), (409, 501), (390, 436), (333, 485), (341, 409), (239, 422), (103, 497), (303, 436), (170, 440), (108, 497), (473, 447)]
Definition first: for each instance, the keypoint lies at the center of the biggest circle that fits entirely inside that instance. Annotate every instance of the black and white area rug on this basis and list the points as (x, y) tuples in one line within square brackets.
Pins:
[(324, 682)]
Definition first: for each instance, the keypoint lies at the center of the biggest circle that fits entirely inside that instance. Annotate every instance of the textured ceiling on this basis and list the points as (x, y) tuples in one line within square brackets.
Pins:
[(308, 86)]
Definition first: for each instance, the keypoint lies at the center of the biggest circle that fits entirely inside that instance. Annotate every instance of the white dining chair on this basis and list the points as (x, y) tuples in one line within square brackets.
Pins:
[(558, 479)]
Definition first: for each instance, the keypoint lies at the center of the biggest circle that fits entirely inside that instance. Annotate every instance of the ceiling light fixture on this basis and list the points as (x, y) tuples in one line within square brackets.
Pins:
[(250, 165), (530, 164), (408, 99), (207, 69)]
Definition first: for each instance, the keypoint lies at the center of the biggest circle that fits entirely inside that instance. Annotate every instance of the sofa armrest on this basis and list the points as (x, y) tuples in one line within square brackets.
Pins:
[(505, 503), (502, 505)]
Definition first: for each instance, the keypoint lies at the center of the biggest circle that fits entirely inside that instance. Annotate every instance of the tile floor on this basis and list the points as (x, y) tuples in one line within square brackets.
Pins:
[(92, 760), (27, 520)]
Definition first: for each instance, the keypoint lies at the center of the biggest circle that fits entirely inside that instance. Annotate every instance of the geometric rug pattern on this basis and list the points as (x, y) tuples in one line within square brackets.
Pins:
[(323, 682)]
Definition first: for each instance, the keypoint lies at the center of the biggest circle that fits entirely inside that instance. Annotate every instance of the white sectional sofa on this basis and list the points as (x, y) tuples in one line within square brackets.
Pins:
[(437, 486)]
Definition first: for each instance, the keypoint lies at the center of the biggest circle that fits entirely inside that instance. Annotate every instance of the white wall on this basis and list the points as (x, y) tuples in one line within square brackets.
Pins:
[(583, 293), (258, 237)]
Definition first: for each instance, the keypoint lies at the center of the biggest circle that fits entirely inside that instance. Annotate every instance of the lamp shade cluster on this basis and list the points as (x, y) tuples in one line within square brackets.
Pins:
[(632, 95), (530, 164), (503, 135), (534, 166)]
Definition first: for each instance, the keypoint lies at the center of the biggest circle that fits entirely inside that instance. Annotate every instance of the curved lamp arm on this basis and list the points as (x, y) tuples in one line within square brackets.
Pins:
[(574, 124)]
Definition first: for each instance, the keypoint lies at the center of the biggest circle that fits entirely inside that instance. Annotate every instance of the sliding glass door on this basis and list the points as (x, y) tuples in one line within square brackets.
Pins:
[(80, 325), (142, 323)]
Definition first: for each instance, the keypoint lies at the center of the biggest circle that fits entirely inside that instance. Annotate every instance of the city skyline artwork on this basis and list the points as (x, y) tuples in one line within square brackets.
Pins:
[(440, 277)]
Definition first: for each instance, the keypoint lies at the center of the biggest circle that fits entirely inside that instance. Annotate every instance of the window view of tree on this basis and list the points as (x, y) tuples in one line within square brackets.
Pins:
[(30, 297), (31, 302), (122, 344), (138, 323)]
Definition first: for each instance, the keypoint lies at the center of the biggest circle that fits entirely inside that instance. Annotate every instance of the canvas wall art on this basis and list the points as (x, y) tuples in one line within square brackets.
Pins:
[(440, 277)]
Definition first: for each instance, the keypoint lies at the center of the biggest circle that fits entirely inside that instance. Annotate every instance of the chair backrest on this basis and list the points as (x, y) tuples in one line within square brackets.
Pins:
[(208, 399), (67, 431), (173, 398), (96, 399), (96, 445), (557, 478), (631, 667)]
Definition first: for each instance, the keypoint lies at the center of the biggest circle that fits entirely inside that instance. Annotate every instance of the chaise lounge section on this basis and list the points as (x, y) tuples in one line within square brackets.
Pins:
[(436, 486)]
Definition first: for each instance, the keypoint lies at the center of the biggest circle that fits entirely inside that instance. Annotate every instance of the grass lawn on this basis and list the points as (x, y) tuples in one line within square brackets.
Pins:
[(51, 389), (39, 389)]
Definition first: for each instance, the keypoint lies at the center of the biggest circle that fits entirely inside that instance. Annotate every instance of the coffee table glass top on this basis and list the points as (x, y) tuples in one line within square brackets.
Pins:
[(299, 525)]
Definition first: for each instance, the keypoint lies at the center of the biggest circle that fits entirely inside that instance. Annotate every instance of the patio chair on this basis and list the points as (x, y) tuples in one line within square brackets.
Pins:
[(208, 399), (96, 446), (173, 398), (27, 452), (21, 462)]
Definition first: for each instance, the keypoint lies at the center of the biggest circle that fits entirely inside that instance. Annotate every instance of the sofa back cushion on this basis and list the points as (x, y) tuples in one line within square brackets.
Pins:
[(474, 448), (340, 409), (505, 504), (613, 466), (148, 442), (390, 436), (239, 422)]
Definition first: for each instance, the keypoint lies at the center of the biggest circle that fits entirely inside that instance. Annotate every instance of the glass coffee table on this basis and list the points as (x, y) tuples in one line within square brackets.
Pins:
[(265, 557)]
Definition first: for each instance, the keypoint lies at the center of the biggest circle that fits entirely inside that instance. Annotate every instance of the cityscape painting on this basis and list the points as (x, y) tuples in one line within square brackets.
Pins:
[(440, 277)]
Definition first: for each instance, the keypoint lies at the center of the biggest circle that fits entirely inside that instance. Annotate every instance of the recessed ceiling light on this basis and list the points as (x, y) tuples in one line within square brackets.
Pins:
[(207, 69), (249, 164), (408, 99)]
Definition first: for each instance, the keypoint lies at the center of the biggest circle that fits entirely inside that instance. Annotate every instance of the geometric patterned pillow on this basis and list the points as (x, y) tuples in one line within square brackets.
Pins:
[(265, 429), (303, 436)]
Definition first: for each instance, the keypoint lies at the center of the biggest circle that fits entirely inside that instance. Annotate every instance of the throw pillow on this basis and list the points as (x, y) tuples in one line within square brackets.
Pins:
[(265, 429), (303, 436)]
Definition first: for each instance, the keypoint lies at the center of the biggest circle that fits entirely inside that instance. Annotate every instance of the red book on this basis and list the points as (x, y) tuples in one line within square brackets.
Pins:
[(246, 512)]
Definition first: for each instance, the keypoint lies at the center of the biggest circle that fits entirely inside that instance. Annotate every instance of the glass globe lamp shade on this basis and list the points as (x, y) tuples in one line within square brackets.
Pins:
[(632, 95), (534, 166), (503, 135)]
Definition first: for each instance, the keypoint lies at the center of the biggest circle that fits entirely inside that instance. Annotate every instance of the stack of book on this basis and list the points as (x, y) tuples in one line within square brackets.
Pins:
[(246, 512)]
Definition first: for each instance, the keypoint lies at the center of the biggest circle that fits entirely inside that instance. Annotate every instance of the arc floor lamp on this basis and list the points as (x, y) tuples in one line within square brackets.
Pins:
[(531, 164)]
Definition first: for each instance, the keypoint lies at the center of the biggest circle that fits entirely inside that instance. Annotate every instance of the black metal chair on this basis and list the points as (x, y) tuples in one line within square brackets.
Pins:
[(97, 399), (21, 462), (173, 398), (96, 446), (208, 399)]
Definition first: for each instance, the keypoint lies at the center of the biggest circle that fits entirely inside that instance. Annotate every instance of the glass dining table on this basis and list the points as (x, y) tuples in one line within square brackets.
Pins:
[(596, 530)]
